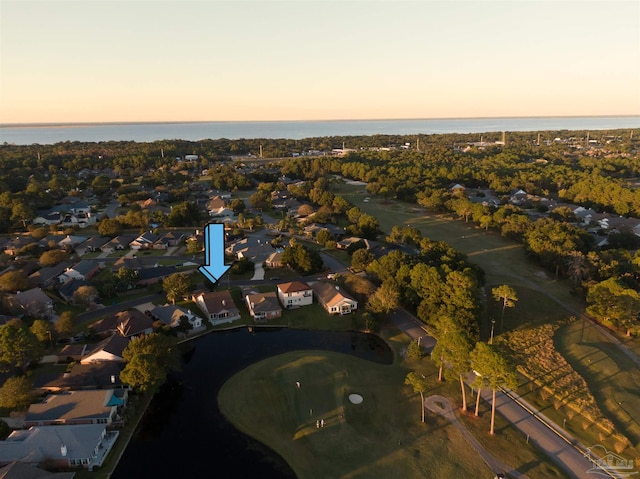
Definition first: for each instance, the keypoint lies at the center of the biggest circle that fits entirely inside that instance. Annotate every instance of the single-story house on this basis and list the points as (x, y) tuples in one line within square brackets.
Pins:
[(68, 289), (263, 306), (145, 241), (85, 270), (148, 276), (218, 306), (333, 299), (250, 247), (97, 406), (34, 302), (172, 238), (171, 315), (126, 323), (93, 244), (84, 445), (345, 243), (119, 243), (48, 218), (18, 470), (96, 375), (48, 275), (295, 293), (215, 203), (72, 352), (129, 262), (109, 349), (13, 246), (274, 260), (71, 241)]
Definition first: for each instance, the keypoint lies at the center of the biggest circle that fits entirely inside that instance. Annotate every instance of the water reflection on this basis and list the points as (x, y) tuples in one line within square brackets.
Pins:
[(184, 434)]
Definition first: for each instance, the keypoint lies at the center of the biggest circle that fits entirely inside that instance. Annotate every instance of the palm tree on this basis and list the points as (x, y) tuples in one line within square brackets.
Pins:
[(493, 370), (419, 384), (452, 350), (507, 295), (577, 266)]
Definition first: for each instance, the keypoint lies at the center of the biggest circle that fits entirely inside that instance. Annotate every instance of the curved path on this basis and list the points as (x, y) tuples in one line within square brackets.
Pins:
[(442, 406), (550, 438)]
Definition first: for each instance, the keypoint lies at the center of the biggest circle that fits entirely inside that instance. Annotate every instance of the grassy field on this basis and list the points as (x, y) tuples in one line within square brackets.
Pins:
[(381, 437), (610, 376)]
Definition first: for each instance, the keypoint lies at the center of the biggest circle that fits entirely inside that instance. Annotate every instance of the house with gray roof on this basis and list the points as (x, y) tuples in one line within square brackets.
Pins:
[(34, 302), (171, 315), (263, 306), (109, 349), (84, 269), (172, 238), (92, 244), (71, 241), (119, 243), (145, 241), (218, 306), (68, 289), (149, 276), (97, 406), (136, 263), (48, 218), (126, 323), (95, 375), (85, 445), (48, 276), (14, 245), (18, 470), (250, 247), (333, 298)]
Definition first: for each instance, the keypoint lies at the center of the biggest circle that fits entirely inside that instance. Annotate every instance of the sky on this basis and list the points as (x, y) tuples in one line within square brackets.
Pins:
[(211, 60)]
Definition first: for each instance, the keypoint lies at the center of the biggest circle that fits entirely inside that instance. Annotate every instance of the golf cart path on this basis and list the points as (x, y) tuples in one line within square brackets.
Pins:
[(442, 406)]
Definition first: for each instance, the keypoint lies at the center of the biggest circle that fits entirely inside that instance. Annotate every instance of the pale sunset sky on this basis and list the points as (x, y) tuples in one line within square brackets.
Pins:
[(210, 60)]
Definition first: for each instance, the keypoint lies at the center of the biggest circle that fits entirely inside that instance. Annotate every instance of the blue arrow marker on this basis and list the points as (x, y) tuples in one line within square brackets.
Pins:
[(214, 266)]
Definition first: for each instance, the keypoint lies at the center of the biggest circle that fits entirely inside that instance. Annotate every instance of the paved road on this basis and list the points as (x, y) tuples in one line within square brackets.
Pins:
[(562, 452), (522, 415)]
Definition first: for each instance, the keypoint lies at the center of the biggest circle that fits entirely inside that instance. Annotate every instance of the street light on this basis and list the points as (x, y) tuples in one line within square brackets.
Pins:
[(493, 322)]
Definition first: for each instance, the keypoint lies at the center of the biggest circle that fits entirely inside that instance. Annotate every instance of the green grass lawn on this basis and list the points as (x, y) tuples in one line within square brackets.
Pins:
[(542, 299), (382, 437), (615, 385)]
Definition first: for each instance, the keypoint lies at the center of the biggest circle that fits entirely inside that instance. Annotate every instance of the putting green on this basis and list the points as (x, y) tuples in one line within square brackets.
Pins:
[(298, 405)]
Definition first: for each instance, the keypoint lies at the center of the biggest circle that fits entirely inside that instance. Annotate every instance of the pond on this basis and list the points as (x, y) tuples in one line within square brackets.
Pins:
[(183, 434)]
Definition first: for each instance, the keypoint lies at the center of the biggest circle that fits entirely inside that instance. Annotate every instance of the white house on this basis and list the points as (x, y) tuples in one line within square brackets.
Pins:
[(295, 293)]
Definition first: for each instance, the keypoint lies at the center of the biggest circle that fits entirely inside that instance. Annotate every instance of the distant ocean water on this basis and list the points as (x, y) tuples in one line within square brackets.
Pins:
[(194, 131)]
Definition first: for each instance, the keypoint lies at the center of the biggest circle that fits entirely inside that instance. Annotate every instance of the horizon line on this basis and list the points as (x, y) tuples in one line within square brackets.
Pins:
[(166, 122)]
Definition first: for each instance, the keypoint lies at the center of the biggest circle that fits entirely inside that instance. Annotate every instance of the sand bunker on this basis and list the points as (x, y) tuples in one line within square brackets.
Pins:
[(355, 398)]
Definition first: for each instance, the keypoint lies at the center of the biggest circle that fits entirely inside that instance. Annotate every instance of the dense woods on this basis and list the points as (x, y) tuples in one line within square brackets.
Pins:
[(592, 169)]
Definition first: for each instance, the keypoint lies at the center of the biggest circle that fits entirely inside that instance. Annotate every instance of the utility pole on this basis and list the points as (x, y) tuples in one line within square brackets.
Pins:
[(493, 322)]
